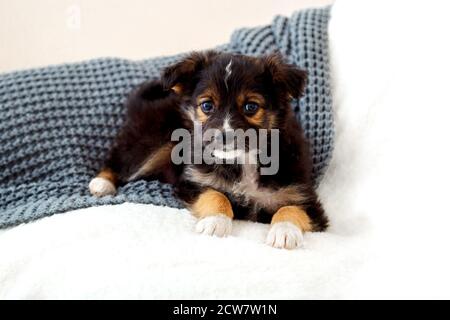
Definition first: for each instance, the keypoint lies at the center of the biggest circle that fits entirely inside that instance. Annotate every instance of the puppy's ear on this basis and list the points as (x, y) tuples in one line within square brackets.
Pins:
[(287, 78), (182, 76)]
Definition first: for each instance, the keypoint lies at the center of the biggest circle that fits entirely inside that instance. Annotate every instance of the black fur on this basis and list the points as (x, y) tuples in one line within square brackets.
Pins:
[(155, 111)]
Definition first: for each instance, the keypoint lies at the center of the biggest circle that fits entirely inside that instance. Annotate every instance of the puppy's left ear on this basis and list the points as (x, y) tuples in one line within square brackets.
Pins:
[(183, 76), (287, 78)]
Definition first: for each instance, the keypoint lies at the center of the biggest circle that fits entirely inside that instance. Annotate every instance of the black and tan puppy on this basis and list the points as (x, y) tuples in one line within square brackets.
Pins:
[(224, 92)]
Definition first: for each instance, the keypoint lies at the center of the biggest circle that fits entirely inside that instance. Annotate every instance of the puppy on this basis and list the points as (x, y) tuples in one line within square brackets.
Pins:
[(222, 92)]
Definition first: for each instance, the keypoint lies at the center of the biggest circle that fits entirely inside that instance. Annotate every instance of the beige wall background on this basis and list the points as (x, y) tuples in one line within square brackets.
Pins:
[(41, 32)]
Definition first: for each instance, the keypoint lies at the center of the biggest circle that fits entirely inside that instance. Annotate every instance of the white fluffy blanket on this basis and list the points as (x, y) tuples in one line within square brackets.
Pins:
[(385, 191)]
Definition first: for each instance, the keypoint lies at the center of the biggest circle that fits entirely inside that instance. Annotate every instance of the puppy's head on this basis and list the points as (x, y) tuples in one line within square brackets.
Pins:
[(229, 91)]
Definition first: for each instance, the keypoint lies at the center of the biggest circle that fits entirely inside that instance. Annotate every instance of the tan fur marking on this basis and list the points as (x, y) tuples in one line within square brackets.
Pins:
[(211, 203), (200, 115), (177, 88), (108, 174), (208, 95), (272, 121), (247, 187), (156, 160), (255, 97), (258, 118), (295, 215), (241, 99), (250, 96)]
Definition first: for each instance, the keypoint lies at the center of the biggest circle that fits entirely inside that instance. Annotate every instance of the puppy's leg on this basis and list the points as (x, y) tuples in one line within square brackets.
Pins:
[(142, 147), (215, 213), (104, 183), (288, 225), (119, 170), (291, 221)]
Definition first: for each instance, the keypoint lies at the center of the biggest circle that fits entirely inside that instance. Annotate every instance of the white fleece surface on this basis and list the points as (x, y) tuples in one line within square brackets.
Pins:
[(385, 191)]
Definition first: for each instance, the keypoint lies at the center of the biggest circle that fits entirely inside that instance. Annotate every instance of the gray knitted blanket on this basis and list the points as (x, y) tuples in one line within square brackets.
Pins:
[(57, 123)]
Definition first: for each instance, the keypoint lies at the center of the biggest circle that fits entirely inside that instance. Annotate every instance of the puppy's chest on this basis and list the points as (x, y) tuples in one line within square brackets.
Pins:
[(245, 188)]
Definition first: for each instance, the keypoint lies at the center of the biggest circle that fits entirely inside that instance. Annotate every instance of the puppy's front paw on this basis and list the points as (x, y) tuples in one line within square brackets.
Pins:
[(218, 225), (100, 187), (284, 235)]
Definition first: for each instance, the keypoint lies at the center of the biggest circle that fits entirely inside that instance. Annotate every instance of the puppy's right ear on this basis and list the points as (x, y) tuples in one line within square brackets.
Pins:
[(183, 76)]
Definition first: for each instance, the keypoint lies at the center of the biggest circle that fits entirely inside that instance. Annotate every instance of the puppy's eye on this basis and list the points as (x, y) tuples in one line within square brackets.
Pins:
[(207, 106), (251, 107)]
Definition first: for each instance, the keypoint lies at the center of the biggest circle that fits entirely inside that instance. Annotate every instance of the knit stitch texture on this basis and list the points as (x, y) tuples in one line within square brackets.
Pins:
[(57, 123)]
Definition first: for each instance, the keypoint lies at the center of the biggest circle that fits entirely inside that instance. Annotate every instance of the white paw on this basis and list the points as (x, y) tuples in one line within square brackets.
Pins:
[(284, 235), (219, 225), (100, 187)]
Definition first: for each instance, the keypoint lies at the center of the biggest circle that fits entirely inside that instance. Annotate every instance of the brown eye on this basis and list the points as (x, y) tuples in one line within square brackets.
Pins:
[(251, 108), (207, 106)]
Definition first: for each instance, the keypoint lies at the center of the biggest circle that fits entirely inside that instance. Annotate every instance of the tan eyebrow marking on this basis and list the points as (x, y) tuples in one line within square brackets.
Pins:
[(256, 97), (208, 95), (250, 96)]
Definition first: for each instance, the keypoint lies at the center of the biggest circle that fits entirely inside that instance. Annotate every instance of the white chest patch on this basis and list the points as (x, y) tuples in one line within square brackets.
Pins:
[(248, 189)]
